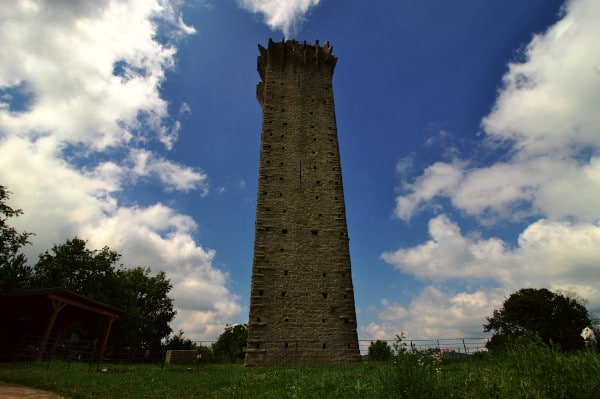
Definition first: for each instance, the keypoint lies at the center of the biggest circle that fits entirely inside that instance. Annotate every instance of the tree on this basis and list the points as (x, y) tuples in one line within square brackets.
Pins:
[(553, 317), (205, 354), (178, 342), (96, 274), (75, 267), (231, 343), (148, 308), (379, 351), (14, 272)]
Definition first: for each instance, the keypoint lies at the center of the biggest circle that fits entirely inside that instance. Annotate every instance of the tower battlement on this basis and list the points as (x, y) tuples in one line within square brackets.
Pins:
[(290, 53), (293, 57)]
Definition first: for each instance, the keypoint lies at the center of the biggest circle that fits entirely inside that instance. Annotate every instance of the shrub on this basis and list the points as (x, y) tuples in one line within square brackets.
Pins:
[(379, 351)]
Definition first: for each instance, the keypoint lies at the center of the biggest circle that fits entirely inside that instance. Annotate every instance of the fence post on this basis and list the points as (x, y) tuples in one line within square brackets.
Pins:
[(465, 346), (92, 356)]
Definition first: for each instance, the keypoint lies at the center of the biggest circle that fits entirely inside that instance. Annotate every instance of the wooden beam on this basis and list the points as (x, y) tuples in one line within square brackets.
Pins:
[(57, 306)]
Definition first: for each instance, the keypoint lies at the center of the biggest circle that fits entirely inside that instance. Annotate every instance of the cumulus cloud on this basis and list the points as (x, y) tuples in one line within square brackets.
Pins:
[(557, 255), (160, 238), (450, 255), (434, 313), (439, 179), (546, 111), (548, 103), (286, 15), (91, 72), (171, 174), (80, 108)]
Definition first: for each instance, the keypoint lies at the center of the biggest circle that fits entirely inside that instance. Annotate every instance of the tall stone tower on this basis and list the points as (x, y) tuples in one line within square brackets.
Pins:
[(302, 298)]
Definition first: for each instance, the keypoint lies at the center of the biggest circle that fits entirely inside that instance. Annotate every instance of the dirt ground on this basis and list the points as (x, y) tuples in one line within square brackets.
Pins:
[(10, 391)]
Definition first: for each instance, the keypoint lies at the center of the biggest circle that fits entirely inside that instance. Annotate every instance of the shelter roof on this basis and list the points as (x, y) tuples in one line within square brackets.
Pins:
[(42, 301)]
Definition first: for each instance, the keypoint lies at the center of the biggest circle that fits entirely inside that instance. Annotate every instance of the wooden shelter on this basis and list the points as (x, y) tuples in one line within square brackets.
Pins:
[(46, 313)]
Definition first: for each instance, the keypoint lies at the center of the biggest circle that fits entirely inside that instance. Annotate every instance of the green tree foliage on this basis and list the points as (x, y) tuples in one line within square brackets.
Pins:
[(205, 353), (231, 343), (14, 271), (178, 342), (555, 318), (148, 310), (75, 267), (379, 351)]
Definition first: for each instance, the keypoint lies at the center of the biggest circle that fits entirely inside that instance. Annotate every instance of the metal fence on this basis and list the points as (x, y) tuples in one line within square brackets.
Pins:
[(465, 346), (85, 351), (78, 351)]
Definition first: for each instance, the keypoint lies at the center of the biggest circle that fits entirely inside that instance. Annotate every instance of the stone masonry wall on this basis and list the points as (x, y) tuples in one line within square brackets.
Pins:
[(181, 357), (302, 297)]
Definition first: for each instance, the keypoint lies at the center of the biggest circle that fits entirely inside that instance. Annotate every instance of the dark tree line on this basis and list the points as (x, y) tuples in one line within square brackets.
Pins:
[(555, 318), (228, 348), (96, 274)]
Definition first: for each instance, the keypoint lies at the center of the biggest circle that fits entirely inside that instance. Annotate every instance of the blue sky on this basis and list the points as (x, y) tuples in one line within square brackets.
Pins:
[(468, 135)]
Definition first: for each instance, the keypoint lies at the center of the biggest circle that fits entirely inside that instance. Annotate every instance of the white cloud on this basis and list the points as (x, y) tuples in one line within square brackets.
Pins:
[(55, 197), (79, 85), (439, 179), (549, 102), (542, 185), (558, 254), (404, 166), (374, 331), (499, 188), (450, 255), (547, 112), (171, 174), (185, 109), (66, 54), (562, 255), (434, 314), (547, 109), (286, 15), (160, 238)]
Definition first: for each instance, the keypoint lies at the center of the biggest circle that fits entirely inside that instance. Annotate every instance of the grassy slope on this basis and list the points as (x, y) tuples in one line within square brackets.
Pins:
[(526, 372)]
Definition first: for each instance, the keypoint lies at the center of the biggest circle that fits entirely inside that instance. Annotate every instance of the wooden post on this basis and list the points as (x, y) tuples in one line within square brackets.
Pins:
[(104, 339), (57, 306)]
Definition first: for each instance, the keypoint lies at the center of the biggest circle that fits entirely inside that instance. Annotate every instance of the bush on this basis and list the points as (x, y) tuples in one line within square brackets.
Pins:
[(379, 351), (231, 343), (554, 317)]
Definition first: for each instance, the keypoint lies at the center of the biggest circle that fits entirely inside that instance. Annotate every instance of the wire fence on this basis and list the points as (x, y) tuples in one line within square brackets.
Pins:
[(69, 350), (465, 346), (449, 346), (122, 352)]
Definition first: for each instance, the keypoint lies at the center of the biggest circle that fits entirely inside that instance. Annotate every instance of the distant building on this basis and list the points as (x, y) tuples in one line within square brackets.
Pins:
[(302, 297)]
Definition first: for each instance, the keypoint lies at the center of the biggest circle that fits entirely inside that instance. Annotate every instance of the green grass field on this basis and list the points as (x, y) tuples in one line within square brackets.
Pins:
[(529, 371)]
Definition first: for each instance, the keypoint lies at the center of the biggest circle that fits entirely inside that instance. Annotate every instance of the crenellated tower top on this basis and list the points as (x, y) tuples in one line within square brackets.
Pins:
[(289, 55), (291, 52)]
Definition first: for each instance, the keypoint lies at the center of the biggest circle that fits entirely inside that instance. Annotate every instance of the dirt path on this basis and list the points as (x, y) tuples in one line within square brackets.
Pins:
[(11, 391)]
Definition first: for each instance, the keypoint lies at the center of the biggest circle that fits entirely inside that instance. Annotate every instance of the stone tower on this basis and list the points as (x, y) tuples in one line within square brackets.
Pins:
[(302, 298)]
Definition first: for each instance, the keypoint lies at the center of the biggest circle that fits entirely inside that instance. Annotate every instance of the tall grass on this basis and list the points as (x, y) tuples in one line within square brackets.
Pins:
[(527, 370)]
